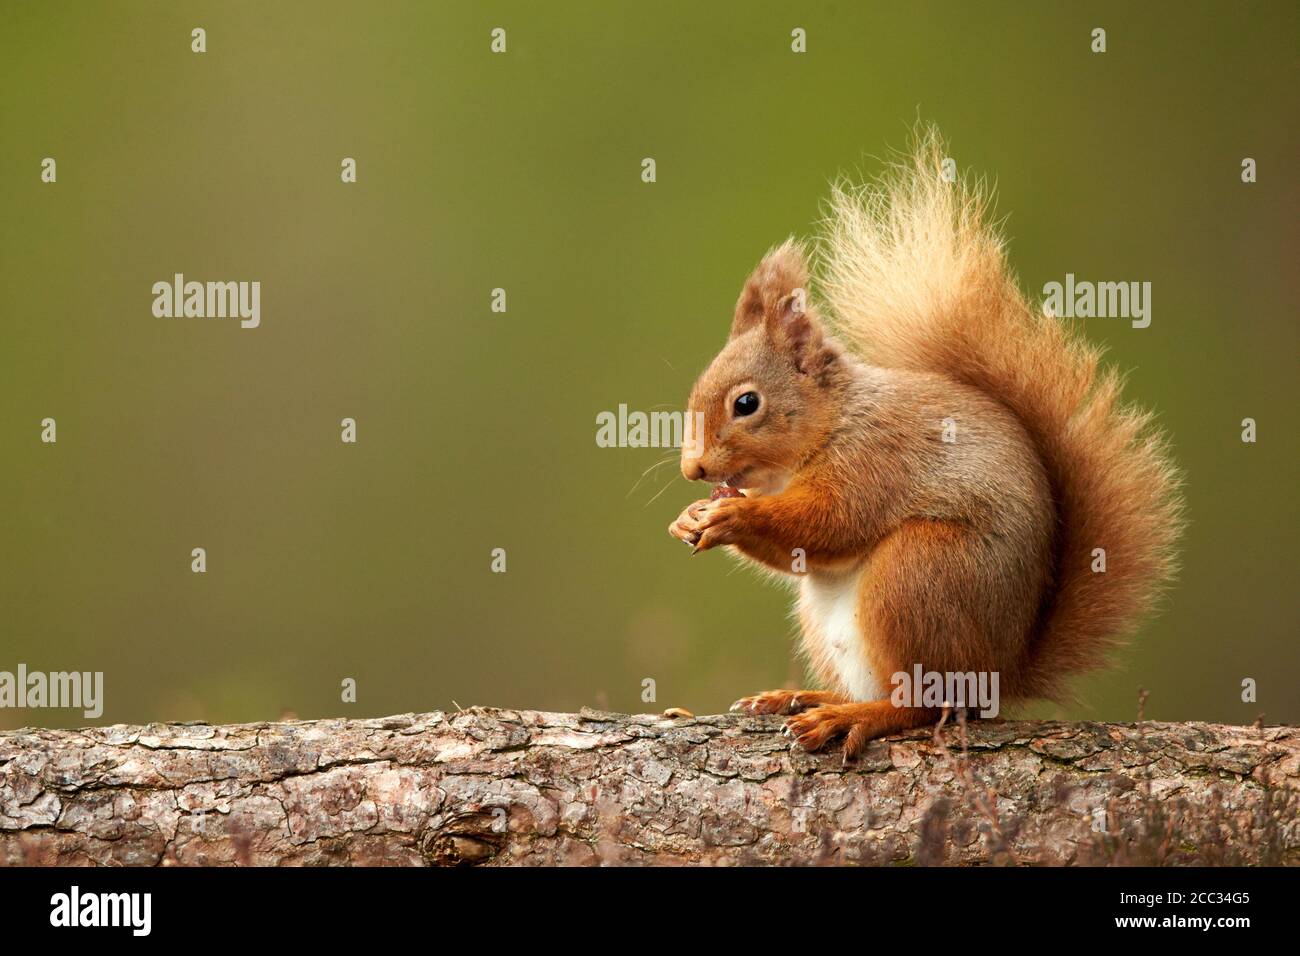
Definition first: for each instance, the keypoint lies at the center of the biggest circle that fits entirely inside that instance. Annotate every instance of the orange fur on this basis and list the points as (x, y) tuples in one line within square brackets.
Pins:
[(945, 464)]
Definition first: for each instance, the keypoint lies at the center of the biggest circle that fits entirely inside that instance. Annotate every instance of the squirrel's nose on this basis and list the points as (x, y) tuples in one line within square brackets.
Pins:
[(693, 471)]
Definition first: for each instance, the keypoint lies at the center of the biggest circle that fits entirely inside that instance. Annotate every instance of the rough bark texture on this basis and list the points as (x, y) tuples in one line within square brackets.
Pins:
[(501, 787)]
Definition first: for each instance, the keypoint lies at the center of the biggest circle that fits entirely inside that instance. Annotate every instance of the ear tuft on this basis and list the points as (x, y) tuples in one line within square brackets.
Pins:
[(776, 297), (782, 273)]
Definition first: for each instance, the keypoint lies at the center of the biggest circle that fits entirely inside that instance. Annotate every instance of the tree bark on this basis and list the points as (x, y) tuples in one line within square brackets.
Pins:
[(502, 787)]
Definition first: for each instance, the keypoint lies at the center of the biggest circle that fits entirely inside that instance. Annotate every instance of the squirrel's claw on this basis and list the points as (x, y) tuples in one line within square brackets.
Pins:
[(687, 526)]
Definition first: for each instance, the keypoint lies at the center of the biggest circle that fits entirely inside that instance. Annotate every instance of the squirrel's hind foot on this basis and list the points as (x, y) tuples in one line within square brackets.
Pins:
[(858, 724), (784, 702)]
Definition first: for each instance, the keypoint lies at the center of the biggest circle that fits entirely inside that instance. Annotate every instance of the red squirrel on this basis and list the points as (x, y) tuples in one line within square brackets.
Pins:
[(932, 460)]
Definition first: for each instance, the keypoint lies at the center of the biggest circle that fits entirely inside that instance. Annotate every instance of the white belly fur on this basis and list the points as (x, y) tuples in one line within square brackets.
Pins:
[(828, 605)]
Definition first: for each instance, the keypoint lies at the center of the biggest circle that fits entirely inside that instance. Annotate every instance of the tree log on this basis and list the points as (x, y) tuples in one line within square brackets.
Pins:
[(503, 787)]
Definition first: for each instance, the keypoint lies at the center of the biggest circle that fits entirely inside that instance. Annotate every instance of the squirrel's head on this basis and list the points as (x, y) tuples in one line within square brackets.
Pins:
[(767, 401)]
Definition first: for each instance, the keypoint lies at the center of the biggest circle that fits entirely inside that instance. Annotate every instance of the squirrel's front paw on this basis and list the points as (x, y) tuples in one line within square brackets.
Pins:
[(718, 522), (687, 526)]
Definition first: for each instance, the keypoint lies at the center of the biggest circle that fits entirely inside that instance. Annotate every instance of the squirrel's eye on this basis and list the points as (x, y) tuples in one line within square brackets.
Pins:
[(746, 404)]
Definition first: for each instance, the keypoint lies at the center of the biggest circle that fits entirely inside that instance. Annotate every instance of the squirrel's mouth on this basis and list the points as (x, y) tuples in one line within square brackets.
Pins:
[(733, 481), (758, 480)]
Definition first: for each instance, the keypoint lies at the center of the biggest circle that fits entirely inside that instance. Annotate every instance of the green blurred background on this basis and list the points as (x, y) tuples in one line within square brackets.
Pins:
[(476, 429)]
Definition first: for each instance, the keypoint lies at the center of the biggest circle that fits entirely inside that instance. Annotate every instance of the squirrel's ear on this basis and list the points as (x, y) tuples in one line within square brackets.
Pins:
[(777, 277), (776, 297)]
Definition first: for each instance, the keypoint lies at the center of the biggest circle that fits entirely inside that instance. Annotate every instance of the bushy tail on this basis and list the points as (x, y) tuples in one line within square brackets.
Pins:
[(917, 278)]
